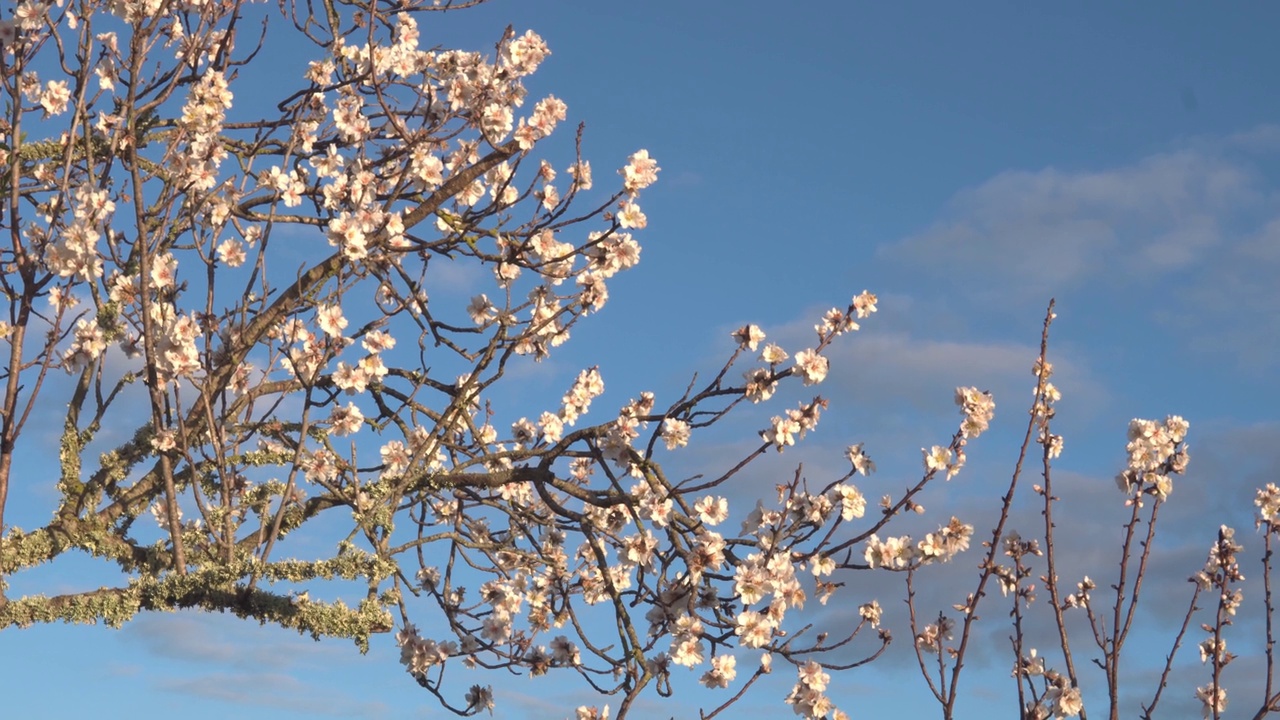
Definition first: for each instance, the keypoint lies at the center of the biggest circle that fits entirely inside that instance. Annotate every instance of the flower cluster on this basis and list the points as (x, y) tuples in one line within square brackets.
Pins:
[(978, 409), (1046, 396), (898, 553), (808, 697), (1268, 502), (1156, 451), (786, 431), (419, 654), (932, 638), (1060, 699), (1214, 699), (202, 120)]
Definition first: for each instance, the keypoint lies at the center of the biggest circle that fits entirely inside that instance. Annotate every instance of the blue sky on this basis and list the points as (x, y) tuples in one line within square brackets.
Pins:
[(966, 164)]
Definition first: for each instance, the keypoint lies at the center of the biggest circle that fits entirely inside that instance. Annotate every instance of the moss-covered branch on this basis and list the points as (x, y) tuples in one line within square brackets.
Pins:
[(216, 590)]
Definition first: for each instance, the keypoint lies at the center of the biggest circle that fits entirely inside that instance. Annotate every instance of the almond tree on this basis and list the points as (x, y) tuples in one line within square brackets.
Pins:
[(236, 300)]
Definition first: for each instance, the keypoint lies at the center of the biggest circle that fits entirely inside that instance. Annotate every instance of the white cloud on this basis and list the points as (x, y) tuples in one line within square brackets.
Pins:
[(1189, 238), (1263, 138), (1038, 232)]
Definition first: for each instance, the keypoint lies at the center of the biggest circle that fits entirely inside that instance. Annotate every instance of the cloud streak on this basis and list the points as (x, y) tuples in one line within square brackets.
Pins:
[(275, 690)]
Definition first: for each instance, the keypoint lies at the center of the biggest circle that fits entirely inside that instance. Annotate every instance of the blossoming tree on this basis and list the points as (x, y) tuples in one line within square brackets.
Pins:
[(235, 299)]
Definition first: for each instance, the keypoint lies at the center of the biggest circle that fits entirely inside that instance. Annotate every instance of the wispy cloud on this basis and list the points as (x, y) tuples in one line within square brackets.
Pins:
[(1187, 238), (276, 690), (1046, 230), (247, 665), (208, 638)]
